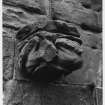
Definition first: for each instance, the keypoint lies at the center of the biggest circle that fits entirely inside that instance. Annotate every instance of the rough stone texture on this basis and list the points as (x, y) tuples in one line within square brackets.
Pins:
[(77, 14), (92, 4), (8, 46), (58, 53), (86, 16), (99, 96), (18, 13), (46, 94), (8, 54), (88, 73)]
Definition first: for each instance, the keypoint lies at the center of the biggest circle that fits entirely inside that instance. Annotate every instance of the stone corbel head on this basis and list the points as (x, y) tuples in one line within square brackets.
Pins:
[(48, 52)]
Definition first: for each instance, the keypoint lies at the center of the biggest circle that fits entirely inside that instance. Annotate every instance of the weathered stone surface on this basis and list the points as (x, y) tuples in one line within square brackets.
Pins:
[(73, 12), (45, 94), (29, 6), (99, 96), (92, 40), (79, 18), (27, 97), (88, 73), (8, 54), (7, 68), (46, 57), (8, 46), (100, 74), (95, 5), (7, 31), (19, 13), (16, 17), (59, 26), (92, 43)]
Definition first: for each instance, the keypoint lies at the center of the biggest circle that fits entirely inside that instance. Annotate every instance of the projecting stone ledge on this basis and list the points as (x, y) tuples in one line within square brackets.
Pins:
[(26, 93)]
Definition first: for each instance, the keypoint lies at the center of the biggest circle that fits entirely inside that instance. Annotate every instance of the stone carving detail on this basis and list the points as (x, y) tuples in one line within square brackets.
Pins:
[(48, 52)]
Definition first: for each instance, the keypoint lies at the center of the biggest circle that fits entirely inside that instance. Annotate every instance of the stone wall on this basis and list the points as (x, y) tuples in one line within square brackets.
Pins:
[(86, 16)]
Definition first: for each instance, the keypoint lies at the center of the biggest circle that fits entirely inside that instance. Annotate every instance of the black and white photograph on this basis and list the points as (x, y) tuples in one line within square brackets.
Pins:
[(52, 52)]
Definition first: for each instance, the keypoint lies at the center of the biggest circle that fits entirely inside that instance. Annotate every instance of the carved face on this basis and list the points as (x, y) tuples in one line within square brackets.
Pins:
[(48, 55)]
